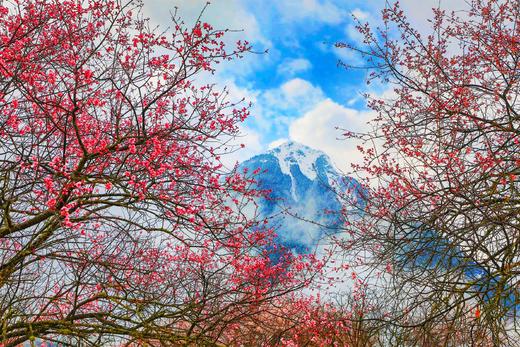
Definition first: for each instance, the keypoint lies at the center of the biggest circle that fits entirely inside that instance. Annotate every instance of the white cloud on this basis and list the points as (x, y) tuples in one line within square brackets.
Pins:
[(310, 10), (360, 14), (348, 56), (311, 119), (252, 146), (274, 109), (237, 149), (277, 143), (229, 14), (418, 13), (297, 87), (297, 94), (290, 67), (318, 128)]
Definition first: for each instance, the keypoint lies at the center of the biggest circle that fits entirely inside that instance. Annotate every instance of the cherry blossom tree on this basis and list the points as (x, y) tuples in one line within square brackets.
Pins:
[(119, 222), (441, 171), (300, 321)]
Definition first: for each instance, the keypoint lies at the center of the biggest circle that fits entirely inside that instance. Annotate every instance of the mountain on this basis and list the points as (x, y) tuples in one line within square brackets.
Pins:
[(303, 205)]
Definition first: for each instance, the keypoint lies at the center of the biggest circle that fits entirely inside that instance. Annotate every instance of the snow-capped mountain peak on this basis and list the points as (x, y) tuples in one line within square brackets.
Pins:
[(303, 183), (294, 153)]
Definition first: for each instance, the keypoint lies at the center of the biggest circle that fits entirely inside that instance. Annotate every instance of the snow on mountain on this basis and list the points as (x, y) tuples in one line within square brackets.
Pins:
[(293, 153), (303, 206), (310, 162)]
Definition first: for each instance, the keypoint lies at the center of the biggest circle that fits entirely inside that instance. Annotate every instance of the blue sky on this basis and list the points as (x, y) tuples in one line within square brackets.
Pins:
[(297, 90)]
